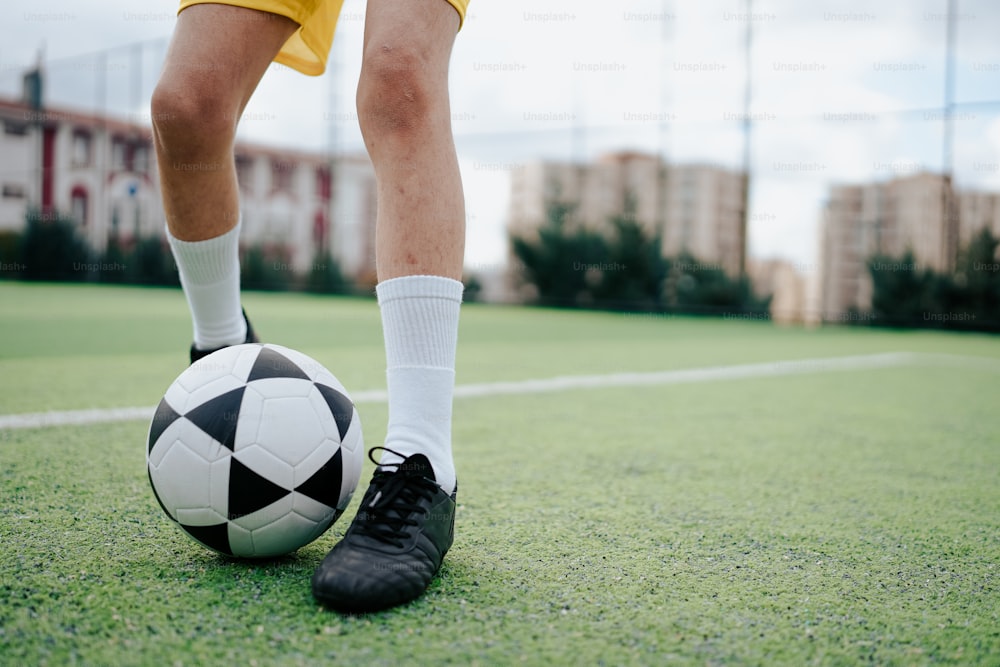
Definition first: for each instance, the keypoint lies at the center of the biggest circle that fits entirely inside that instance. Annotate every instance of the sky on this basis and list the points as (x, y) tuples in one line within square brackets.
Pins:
[(843, 91)]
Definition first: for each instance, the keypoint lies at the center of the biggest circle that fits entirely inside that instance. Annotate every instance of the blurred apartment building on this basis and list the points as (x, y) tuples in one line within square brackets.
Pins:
[(787, 286), (921, 212), (101, 172), (694, 208)]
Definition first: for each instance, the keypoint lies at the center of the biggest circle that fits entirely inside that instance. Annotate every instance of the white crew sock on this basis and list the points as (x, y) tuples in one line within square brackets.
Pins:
[(420, 324), (210, 275)]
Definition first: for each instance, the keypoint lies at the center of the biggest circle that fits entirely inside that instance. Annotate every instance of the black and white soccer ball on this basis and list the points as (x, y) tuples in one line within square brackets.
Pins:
[(255, 450)]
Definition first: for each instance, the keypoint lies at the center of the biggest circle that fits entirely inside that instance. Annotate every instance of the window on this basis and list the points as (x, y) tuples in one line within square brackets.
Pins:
[(81, 148), (140, 158), (244, 172), (282, 175), (78, 206), (321, 228), (13, 191), (15, 129), (119, 155), (323, 183)]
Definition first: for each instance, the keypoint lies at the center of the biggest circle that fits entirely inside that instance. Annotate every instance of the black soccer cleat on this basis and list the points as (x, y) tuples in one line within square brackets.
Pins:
[(394, 547), (197, 354)]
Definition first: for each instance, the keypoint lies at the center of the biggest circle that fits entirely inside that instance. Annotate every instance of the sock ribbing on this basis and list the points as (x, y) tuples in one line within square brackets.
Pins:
[(209, 271), (420, 326), (420, 321)]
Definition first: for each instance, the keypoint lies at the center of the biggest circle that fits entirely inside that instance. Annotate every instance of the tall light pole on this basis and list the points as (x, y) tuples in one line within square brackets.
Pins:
[(948, 121), (747, 131), (666, 118), (33, 92)]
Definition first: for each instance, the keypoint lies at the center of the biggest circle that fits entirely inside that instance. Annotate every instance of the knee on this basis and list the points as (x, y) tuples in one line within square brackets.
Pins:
[(396, 91), (190, 118)]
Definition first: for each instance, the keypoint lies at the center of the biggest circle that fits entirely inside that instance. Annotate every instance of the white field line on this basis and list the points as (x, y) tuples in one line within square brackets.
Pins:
[(687, 375), (540, 386)]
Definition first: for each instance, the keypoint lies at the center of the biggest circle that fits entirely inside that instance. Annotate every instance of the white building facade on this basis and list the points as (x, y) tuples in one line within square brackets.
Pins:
[(102, 173)]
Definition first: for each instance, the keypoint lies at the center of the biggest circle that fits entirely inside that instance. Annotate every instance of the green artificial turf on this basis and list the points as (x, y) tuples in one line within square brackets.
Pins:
[(828, 518)]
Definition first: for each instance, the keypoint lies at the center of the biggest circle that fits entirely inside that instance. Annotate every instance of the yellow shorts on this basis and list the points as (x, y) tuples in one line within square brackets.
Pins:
[(308, 48)]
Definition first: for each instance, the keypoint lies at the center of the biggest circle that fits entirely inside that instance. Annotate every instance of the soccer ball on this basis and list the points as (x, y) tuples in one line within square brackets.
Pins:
[(255, 450)]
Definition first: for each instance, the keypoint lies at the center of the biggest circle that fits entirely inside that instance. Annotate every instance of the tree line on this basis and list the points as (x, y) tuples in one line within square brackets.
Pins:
[(561, 264), (50, 248), (565, 264), (968, 298)]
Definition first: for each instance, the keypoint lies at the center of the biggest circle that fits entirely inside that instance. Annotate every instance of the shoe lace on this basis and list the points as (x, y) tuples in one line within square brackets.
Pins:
[(396, 497)]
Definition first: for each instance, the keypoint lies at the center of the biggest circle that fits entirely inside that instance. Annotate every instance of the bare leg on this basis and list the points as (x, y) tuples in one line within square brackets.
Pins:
[(217, 57), (406, 122)]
